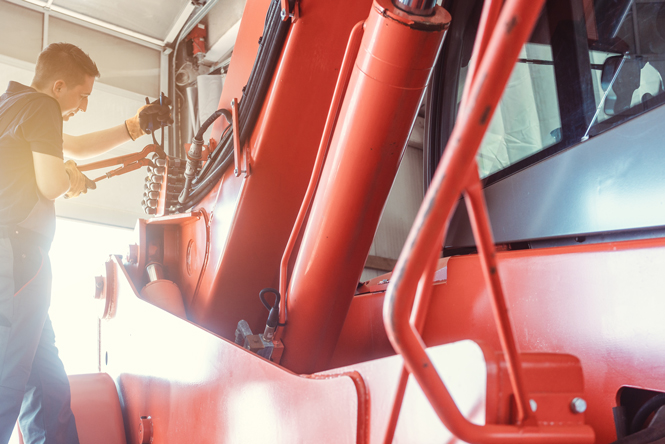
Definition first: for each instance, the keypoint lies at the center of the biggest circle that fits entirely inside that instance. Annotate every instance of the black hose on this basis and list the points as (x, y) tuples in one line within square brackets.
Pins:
[(649, 407), (270, 49), (263, 299), (204, 127), (273, 311), (194, 155), (200, 191), (249, 107), (222, 146)]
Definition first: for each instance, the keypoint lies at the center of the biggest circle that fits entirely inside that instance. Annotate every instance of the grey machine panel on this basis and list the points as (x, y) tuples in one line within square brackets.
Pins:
[(614, 181)]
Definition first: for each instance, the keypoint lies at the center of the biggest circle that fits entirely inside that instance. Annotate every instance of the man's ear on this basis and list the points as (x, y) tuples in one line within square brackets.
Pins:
[(59, 87)]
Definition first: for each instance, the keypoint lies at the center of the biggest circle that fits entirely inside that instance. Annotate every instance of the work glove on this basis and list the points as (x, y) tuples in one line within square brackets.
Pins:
[(78, 182), (149, 118)]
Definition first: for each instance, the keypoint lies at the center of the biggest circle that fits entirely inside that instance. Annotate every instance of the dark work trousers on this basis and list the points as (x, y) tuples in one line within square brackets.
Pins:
[(33, 383)]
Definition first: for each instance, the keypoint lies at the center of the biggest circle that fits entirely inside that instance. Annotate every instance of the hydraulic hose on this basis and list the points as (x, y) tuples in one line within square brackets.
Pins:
[(649, 407), (204, 127), (250, 104), (194, 154)]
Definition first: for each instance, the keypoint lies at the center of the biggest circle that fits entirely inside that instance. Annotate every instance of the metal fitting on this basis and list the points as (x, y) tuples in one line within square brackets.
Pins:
[(155, 271), (578, 405), (533, 404), (145, 430), (268, 333), (193, 161), (416, 7)]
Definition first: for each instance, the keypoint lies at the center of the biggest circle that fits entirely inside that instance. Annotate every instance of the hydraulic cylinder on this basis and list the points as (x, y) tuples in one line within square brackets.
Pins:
[(396, 56)]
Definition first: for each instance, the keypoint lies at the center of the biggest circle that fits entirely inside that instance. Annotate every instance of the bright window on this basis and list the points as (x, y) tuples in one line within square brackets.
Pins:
[(78, 254)]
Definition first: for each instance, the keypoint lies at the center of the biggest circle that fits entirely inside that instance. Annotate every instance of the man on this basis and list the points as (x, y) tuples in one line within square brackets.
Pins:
[(33, 384)]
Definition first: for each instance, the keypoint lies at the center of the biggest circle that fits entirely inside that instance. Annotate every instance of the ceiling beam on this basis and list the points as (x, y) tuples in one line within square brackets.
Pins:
[(89, 22), (179, 23)]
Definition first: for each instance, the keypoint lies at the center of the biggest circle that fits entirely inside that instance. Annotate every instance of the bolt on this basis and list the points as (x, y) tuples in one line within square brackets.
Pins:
[(578, 405), (533, 405), (283, 14)]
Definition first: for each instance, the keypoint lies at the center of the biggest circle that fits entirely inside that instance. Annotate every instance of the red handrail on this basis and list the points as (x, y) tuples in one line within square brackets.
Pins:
[(345, 71), (456, 174)]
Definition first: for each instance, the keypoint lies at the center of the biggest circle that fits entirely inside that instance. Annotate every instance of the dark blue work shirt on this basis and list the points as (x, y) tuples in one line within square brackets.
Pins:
[(30, 121)]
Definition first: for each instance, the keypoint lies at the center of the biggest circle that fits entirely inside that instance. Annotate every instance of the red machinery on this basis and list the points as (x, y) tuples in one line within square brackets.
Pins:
[(505, 346)]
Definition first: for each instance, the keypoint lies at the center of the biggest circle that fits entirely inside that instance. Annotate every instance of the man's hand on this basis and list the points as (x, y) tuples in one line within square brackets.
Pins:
[(78, 182), (149, 118)]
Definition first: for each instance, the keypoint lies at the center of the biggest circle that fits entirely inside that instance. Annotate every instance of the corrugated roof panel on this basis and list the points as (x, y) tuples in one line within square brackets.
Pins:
[(153, 18)]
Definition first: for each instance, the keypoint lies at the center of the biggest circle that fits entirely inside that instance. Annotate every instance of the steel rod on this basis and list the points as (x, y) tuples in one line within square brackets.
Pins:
[(346, 69), (515, 23)]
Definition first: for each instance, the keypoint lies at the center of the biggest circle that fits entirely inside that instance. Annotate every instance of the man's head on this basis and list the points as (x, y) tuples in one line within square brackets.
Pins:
[(67, 74)]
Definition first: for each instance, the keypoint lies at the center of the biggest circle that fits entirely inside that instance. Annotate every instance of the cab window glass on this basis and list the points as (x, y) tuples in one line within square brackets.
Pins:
[(588, 66), (527, 119), (628, 60)]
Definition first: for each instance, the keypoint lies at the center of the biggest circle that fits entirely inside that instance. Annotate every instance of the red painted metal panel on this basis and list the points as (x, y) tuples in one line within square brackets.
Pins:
[(198, 387), (97, 409), (250, 218), (600, 303)]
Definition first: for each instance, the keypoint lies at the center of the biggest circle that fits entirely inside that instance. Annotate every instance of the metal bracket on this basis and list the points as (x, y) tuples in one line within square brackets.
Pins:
[(288, 14), (236, 143)]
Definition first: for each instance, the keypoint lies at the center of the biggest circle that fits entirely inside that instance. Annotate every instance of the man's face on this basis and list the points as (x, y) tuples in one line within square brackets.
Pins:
[(73, 99)]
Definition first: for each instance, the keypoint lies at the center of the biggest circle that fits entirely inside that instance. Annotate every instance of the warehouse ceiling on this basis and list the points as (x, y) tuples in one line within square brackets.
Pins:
[(151, 22), (153, 18)]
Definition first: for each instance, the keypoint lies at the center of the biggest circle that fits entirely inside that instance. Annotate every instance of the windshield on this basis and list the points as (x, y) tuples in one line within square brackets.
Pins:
[(589, 66)]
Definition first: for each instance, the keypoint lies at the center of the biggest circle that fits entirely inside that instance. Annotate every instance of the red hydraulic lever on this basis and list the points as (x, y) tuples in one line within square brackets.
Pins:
[(129, 162)]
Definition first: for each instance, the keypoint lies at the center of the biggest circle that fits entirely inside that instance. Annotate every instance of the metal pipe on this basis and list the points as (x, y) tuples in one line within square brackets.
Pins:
[(192, 107), (480, 223), (514, 26), (333, 113), (155, 271), (482, 230), (417, 7), (418, 317), (488, 18), (391, 71)]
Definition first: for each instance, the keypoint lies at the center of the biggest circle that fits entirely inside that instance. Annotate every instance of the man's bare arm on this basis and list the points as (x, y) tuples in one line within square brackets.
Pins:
[(52, 179), (94, 144)]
